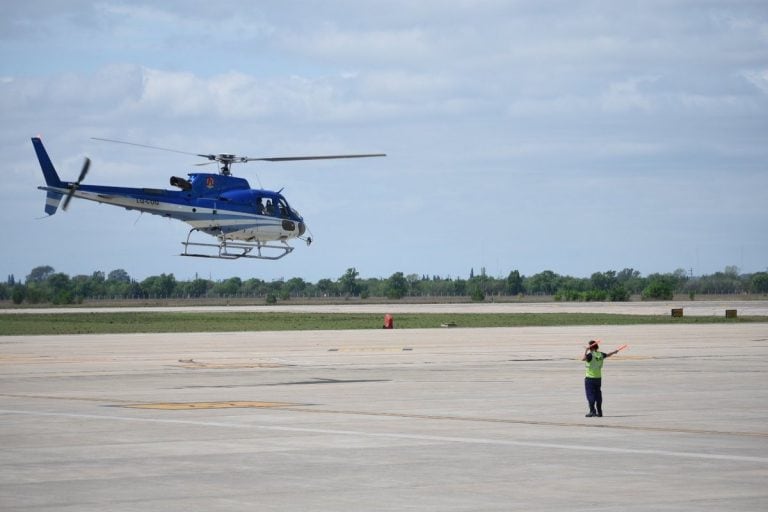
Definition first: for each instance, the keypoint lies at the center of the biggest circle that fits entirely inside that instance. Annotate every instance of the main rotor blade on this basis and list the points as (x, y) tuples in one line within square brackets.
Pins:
[(227, 159), (209, 157), (324, 157)]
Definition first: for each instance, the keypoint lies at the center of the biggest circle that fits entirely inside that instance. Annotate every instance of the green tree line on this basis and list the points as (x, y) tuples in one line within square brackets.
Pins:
[(45, 285)]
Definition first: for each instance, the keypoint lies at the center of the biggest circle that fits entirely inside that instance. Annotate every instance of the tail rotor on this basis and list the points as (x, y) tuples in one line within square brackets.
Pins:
[(74, 186)]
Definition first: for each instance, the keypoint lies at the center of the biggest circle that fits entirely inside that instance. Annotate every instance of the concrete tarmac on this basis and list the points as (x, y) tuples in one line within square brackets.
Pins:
[(429, 420)]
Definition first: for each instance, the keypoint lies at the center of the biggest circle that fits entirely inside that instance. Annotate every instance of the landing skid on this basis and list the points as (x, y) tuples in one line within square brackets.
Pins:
[(232, 250)]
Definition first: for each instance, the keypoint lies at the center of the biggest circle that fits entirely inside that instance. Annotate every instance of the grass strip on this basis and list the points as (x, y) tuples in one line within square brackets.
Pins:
[(137, 322)]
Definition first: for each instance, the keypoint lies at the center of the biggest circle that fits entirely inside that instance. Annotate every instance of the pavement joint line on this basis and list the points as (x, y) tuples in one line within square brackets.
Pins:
[(184, 406), (531, 422), (404, 436), (284, 406), (72, 398)]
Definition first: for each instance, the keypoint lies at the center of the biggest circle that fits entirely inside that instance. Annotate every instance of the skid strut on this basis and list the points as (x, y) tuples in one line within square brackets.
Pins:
[(232, 250)]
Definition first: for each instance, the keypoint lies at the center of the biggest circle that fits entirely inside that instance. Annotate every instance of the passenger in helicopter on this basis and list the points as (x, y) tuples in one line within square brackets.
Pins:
[(259, 207), (270, 207)]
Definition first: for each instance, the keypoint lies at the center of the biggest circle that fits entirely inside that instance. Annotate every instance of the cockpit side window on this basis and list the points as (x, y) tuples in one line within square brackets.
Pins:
[(274, 206)]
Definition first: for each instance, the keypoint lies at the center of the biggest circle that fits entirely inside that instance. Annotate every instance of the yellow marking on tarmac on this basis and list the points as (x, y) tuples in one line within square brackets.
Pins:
[(185, 406)]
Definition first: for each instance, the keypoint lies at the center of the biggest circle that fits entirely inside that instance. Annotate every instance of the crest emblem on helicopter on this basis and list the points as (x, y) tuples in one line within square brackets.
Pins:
[(219, 205)]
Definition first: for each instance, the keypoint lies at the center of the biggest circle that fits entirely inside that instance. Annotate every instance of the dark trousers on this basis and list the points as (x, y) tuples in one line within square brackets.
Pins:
[(594, 394)]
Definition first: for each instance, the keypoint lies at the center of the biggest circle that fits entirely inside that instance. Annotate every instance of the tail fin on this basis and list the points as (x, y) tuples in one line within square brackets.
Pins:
[(49, 172), (53, 197)]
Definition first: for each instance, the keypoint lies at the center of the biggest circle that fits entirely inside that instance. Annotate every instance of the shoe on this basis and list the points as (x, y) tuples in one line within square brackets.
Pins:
[(599, 414), (590, 415)]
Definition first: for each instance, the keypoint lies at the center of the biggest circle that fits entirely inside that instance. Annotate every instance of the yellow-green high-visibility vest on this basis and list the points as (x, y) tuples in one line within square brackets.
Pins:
[(595, 365)]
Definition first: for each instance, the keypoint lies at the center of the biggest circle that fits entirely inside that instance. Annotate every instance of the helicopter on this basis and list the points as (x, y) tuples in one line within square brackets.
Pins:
[(246, 222)]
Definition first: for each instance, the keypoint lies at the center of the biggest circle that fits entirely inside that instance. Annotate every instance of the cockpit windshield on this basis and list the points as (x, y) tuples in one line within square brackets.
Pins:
[(283, 208)]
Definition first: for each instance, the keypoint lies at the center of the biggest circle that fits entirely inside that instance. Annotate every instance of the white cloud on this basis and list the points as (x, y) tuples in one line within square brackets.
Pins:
[(759, 79), (239, 96), (627, 95), (97, 91), (405, 85), (373, 46), (147, 25)]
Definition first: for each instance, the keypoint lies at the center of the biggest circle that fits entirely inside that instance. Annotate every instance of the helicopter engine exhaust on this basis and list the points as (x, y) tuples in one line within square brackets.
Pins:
[(180, 183)]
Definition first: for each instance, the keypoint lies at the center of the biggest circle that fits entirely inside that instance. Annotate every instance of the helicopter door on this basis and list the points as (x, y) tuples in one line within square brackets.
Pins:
[(258, 204), (270, 208)]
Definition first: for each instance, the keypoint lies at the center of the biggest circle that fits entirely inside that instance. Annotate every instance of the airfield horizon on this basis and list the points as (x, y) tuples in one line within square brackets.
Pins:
[(234, 318)]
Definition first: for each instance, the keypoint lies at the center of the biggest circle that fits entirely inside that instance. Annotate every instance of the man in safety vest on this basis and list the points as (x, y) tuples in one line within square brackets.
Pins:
[(593, 359)]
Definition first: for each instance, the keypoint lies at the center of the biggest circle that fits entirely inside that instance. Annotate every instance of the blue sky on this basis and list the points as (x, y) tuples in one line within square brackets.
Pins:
[(569, 136)]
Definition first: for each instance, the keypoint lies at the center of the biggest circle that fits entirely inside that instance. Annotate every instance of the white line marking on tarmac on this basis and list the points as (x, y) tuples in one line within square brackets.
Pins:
[(387, 435)]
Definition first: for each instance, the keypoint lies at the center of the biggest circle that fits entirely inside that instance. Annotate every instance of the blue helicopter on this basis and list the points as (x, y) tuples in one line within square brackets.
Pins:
[(248, 223)]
